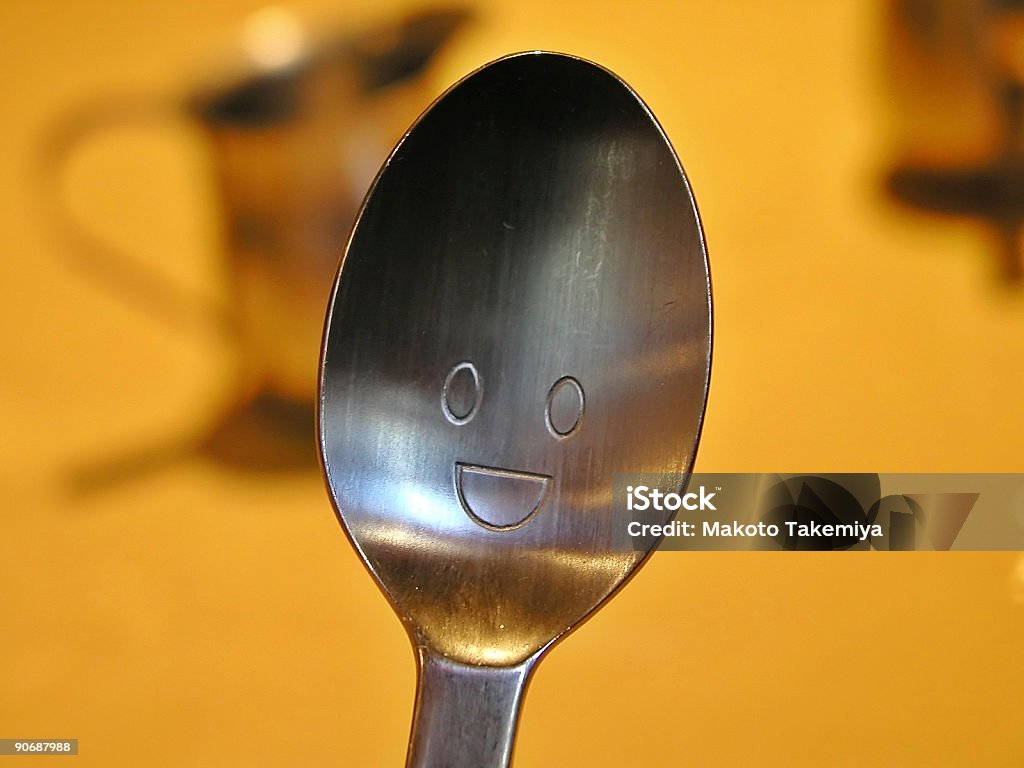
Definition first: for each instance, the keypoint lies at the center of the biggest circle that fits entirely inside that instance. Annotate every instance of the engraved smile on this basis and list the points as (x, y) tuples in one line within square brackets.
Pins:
[(499, 499)]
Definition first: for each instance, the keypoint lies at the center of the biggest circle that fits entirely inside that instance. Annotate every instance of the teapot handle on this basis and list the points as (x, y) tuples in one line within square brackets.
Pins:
[(118, 272)]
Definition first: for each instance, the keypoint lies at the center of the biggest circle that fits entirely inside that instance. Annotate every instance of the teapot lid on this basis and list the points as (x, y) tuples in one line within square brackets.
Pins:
[(260, 86)]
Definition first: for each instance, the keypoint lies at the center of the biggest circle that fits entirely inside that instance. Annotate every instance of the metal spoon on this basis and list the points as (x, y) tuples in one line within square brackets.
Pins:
[(523, 311)]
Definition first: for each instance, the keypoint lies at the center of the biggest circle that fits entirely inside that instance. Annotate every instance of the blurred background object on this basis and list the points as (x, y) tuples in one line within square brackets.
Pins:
[(197, 616), (957, 70), (296, 122)]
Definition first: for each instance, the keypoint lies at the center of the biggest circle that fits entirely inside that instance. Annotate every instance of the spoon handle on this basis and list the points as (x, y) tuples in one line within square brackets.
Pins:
[(465, 716)]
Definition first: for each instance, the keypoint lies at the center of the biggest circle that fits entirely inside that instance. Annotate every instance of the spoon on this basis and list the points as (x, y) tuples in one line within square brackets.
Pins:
[(522, 312)]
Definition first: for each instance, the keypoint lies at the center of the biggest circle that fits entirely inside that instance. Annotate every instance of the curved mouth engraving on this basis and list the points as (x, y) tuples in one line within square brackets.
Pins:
[(499, 499)]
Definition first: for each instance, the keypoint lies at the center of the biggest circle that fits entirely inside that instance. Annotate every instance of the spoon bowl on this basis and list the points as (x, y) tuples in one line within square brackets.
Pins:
[(523, 312)]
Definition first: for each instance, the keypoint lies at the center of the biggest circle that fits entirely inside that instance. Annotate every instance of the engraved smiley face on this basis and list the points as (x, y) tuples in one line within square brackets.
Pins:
[(502, 498)]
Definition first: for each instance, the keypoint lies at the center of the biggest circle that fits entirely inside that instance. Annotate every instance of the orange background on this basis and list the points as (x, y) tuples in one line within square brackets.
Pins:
[(202, 617)]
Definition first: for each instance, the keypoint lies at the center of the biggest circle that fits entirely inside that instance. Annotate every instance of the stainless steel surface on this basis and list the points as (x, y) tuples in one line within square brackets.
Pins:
[(522, 312)]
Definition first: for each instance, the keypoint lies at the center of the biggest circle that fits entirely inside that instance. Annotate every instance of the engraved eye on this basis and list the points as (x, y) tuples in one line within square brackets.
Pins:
[(563, 411), (463, 391)]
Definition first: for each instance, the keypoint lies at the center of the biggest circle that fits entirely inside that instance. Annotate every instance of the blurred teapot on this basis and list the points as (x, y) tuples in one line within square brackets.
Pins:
[(297, 124), (955, 73)]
